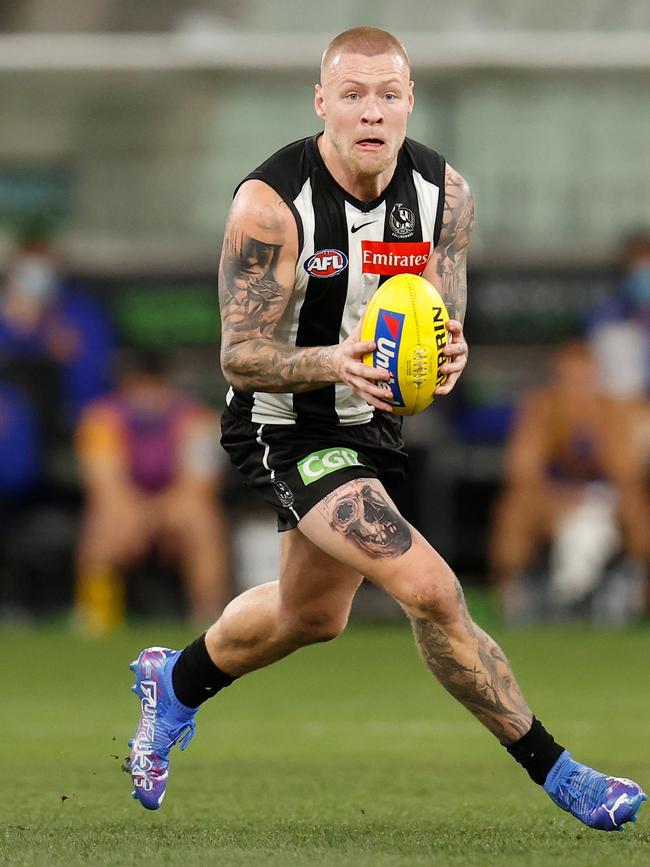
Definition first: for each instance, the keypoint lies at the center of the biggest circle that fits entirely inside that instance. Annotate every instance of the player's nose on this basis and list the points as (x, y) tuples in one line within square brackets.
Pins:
[(372, 111)]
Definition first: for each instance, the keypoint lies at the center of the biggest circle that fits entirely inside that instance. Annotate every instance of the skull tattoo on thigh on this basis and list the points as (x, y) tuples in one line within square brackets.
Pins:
[(365, 516)]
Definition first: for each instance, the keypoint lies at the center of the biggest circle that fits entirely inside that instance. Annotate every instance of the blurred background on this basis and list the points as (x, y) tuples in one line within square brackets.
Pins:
[(126, 126)]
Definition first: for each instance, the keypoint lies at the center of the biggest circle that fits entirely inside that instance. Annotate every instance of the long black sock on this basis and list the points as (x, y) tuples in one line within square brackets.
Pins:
[(195, 677), (537, 752)]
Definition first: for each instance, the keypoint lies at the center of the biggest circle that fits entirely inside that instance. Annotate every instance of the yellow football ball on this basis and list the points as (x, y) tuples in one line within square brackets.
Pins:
[(406, 318)]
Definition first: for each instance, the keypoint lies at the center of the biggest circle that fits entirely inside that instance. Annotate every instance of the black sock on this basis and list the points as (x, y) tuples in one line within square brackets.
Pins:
[(537, 752), (195, 677)]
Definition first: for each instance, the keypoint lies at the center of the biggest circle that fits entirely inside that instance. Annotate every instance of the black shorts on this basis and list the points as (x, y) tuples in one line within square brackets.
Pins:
[(295, 466)]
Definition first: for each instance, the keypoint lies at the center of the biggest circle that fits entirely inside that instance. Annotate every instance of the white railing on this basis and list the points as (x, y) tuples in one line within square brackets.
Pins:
[(233, 50)]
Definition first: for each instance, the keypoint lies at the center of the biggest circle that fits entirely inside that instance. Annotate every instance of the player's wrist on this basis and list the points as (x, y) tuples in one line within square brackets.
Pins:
[(329, 364)]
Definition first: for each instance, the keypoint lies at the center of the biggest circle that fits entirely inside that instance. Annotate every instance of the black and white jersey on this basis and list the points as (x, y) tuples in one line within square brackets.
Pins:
[(347, 249)]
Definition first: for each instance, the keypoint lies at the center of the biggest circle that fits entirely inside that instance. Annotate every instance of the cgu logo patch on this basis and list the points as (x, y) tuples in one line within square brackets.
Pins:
[(319, 464), (326, 263), (388, 336)]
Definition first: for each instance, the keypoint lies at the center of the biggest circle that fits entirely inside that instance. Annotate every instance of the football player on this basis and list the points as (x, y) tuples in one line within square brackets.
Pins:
[(311, 234)]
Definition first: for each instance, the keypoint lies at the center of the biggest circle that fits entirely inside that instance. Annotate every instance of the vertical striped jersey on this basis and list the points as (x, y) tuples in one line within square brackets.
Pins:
[(347, 248)]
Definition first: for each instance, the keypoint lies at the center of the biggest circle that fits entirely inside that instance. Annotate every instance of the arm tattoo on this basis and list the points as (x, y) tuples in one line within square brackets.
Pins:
[(451, 253), (363, 514), (474, 669), (249, 289), (252, 301)]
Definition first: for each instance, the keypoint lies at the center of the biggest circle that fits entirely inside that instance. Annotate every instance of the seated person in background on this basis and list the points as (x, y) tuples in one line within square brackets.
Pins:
[(619, 325), (149, 467), (574, 481), (20, 447), (56, 341)]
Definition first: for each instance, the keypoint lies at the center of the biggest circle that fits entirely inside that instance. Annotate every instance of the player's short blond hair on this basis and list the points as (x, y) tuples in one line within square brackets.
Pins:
[(368, 41)]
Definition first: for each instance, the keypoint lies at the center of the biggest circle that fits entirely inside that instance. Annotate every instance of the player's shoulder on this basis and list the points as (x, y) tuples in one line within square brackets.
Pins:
[(456, 184), (260, 211), (284, 171), (434, 168), (267, 194), (426, 161), (285, 157)]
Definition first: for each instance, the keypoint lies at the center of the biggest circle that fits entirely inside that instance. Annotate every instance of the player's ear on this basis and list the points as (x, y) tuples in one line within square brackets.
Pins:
[(411, 96), (319, 102)]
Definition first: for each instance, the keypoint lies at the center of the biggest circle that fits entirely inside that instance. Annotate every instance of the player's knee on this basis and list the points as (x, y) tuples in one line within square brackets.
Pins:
[(439, 600), (312, 627)]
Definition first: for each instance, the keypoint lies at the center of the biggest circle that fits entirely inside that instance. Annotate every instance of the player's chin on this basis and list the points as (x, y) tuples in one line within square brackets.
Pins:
[(373, 163)]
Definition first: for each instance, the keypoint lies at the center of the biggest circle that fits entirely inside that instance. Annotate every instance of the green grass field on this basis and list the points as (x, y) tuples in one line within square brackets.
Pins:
[(346, 753)]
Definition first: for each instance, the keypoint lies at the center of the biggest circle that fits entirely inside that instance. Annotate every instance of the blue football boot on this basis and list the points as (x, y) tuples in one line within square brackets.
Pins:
[(163, 722), (601, 802)]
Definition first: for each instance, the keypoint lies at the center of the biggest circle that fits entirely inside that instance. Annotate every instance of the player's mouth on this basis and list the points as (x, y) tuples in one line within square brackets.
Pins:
[(370, 144)]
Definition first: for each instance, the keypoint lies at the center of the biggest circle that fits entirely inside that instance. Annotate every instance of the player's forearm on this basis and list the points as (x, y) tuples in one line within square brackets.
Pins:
[(264, 365), (453, 289), (451, 255)]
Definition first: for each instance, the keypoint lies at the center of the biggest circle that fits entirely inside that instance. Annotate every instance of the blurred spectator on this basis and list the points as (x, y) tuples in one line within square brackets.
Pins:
[(20, 465), (55, 355), (56, 342), (575, 485), (37, 525), (20, 452), (619, 327), (149, 467)]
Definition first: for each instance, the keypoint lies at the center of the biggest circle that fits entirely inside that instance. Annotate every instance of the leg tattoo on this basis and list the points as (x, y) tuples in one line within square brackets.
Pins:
[(365, 516), (473, 668)]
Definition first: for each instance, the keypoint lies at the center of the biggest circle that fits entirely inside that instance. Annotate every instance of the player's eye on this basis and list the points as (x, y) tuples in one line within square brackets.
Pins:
[(353, 96), (390, 96)]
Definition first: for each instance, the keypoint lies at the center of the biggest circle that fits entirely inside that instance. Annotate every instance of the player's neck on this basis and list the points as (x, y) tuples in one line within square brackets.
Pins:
[(366, 188)]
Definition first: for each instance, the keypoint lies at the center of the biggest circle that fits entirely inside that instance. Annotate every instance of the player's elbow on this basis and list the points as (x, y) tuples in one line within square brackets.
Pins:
[(234, 368), (238, 381)]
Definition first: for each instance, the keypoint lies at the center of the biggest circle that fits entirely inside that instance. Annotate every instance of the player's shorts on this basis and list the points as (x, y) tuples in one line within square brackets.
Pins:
[(295, 466)]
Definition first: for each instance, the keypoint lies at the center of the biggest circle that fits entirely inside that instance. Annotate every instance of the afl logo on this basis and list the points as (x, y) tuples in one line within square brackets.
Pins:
[(326, 263), (401, 221)]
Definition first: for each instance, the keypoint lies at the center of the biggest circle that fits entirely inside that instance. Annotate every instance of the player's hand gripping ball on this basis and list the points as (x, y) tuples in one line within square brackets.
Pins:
[(406, 318)]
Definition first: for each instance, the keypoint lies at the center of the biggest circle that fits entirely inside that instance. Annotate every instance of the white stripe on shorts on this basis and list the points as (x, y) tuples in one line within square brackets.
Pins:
[(265, 461)]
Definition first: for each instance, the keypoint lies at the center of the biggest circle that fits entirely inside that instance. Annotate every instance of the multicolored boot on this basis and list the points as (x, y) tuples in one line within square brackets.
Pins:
[(601, 802), (163, 722)]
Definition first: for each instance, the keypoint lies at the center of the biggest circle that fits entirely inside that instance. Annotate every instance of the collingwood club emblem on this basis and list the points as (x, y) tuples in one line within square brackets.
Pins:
[(284, 493), (401, 221)]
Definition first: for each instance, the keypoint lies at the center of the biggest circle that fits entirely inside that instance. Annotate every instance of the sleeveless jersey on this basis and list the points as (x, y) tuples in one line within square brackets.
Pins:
[(347, 248)]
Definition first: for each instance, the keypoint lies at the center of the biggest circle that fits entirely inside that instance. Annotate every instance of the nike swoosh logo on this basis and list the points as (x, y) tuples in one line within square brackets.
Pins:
[(356, 228)]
